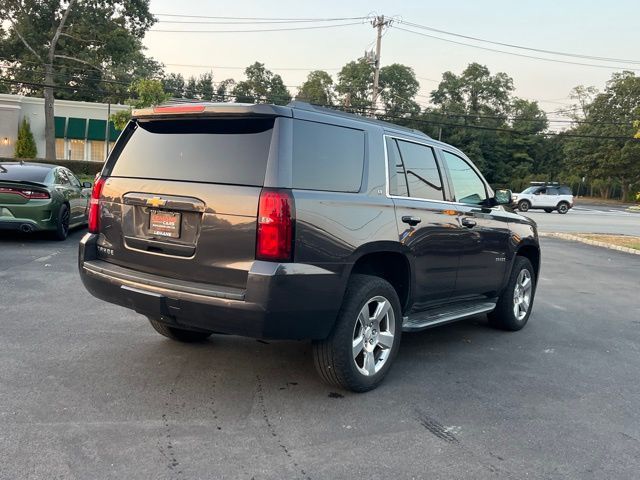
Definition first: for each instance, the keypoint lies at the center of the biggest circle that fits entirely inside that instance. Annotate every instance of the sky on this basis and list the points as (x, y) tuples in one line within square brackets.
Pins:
[(595, 28)]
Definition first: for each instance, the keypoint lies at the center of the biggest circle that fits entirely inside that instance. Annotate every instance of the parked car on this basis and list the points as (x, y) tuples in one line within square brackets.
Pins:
[(41, 197), (544, 196), (300, 222)]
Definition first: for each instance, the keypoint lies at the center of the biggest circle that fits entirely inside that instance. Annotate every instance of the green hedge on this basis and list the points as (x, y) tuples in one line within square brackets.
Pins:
[(79, 167)]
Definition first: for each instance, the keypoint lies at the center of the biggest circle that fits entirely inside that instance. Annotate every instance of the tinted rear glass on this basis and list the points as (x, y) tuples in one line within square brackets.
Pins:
[(25, 173), (230, 151), (327, 157)]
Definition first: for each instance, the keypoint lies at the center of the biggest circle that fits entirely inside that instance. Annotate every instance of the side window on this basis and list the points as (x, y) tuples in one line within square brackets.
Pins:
[(552, 191), (397, 175), (541, 191), (74, 181), (423, 177), (468, 187), (61, 177), (327, 157)]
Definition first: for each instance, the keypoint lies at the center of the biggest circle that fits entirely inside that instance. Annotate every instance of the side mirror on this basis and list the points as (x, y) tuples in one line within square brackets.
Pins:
[(87, 184), (503, 197)]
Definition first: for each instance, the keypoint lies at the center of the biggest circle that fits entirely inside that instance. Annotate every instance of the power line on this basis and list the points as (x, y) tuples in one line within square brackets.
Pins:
[(315, 27), (242, 68), (253, 22), (520, 47), (295, 19), (566, 62)]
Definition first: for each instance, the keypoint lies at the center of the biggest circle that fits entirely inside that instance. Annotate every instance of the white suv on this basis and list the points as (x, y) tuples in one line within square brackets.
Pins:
[(545, 196)]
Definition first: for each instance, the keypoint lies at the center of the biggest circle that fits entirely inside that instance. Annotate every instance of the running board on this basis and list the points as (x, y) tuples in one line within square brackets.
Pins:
[(439, 316)]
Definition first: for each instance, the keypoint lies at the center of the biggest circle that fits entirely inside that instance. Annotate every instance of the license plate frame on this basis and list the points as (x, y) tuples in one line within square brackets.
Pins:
[(165, 224)]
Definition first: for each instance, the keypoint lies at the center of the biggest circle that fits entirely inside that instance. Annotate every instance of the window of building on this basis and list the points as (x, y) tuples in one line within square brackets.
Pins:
[(423, 176), (60, 153), (76, 149), (97, 150), (468, 187)]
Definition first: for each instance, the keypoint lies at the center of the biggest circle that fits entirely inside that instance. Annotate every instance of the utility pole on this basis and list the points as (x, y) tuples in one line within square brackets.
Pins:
[(378, 22)]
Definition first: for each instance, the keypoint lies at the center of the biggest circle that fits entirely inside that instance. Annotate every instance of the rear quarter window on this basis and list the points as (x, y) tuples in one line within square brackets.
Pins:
[(327, 157)]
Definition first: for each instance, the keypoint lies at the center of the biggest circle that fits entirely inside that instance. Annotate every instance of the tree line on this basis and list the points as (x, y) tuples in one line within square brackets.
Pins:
[(93, 51)]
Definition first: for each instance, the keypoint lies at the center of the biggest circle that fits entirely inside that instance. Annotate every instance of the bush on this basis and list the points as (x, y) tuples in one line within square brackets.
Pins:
[(26, 145)]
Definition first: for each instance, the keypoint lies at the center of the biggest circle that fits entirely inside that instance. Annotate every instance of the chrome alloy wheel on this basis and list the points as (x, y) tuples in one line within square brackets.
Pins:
[(522, 294), (373, 335)]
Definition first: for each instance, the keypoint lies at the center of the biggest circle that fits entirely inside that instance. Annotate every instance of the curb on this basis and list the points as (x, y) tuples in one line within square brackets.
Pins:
[(567, 236)]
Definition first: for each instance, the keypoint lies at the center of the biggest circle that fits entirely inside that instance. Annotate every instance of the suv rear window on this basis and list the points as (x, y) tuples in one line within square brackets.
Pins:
[(327, 157), (221, 150)]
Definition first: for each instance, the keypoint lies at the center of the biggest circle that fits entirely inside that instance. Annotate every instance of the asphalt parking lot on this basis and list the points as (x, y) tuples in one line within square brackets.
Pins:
[(89, 390)]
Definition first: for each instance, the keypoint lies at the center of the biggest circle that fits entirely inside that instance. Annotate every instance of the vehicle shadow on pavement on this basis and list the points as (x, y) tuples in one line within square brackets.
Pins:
[(75, 234)]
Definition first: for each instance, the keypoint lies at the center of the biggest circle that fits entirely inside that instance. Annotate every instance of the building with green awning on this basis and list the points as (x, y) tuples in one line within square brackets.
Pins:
[(97, 129), (77, 128), (81, 129), (60, 124)]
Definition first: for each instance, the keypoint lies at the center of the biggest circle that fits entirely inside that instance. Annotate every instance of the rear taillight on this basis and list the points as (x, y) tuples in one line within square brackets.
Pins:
[(275, 226), (94, 205), (30, 194)]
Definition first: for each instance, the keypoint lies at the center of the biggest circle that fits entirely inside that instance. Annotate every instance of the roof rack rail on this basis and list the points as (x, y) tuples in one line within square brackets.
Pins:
[(297, 104)]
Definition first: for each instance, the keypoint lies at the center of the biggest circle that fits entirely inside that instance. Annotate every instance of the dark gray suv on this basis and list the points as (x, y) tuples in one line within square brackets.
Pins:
[(300, 222)]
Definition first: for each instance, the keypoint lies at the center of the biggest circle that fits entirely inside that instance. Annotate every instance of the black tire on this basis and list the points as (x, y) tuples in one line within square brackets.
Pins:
[(524, 205), (178, 334), (563, 207), (548, 210), (62, 226), (504, 317), (334, 357)]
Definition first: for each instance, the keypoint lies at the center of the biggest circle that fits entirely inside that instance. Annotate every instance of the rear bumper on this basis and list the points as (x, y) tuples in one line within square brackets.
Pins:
[(281, 301), (37, 216)]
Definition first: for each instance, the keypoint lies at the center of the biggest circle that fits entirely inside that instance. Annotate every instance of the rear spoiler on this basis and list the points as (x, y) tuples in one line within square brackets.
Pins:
[(24, 182), (214, 109)]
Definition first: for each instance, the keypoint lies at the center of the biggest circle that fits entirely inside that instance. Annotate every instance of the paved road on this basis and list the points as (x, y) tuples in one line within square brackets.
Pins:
[(88, 390), (589, 219)]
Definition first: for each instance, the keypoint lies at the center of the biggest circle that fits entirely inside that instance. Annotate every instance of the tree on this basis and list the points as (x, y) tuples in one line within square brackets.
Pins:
[(476, 90), (473, 111), (584, 96), (52, 38), (317, 88), (355, 84), (261, 86), (224, 90), (145, 93), (612, 161), (204, 87), (191, 89), (399, 87), (26, 145), (173, 84)]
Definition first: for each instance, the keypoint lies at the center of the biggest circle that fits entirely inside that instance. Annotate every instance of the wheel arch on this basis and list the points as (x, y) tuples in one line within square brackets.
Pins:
[(390, 261), (532, 253)]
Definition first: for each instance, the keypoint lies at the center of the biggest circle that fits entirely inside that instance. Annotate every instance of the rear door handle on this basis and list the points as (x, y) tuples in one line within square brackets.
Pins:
[(413, 221), (468, 222)]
